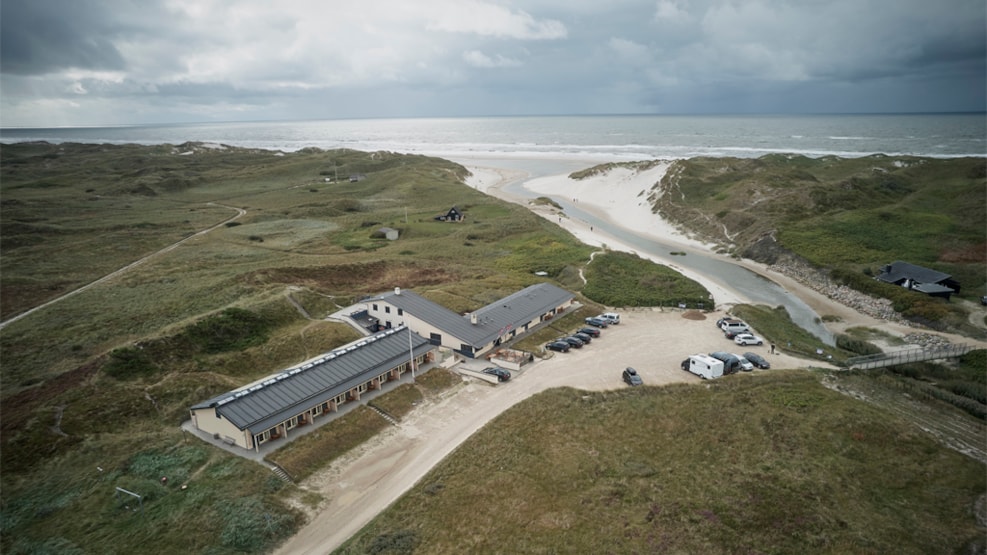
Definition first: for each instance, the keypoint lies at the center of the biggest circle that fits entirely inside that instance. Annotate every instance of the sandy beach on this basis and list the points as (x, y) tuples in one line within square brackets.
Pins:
[(618, 197)]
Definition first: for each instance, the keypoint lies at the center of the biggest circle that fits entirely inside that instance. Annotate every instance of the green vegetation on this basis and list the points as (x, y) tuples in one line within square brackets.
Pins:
[(963, 386), (848, 215), (95, 386), (624, 279), (109, 373), (318, 448), (772, 462), (932, 312)]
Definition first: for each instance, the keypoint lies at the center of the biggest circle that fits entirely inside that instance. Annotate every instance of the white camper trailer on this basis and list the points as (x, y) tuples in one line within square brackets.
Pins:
[(705, 367)]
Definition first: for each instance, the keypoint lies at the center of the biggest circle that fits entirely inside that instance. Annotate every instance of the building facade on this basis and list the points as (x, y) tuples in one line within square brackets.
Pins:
[(272, 407), (477, 333)]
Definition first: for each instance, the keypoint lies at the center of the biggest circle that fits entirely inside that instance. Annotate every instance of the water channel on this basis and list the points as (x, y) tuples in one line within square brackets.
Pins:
[(730, 276)]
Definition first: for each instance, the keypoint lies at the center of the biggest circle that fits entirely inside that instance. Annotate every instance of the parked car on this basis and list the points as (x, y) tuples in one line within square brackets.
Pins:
[(584, 337), (611, 317), (745, 364), (560, 346), (502, 375), (598, 322), (573, 342), (592, 332), (631, 376), (731, 362), (757, 360), (734, 325), (748, 339)]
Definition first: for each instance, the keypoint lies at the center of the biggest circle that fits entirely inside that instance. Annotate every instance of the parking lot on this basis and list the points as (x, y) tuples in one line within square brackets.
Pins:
[(652, 341)]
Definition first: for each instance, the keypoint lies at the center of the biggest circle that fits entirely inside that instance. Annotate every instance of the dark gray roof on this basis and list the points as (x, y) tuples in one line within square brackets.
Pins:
[(899, 271), (294, 390), (493, 320)]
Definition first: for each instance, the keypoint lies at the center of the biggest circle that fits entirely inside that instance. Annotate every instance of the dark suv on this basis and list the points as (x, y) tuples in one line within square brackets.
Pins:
[(592, 332), (573, 341), (631, 376), (560, 346), (502, 375)]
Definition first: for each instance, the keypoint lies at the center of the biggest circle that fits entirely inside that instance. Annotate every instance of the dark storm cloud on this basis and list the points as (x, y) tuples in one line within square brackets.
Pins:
[(124, 61), (41, 36)]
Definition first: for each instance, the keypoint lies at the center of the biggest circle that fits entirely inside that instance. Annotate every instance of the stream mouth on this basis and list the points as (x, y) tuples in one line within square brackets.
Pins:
[(745, 283)]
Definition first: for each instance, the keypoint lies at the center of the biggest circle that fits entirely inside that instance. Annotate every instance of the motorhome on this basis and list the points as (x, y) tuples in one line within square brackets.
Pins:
[(704, 366)]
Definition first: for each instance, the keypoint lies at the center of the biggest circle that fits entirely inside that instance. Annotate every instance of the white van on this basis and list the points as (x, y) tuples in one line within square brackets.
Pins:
[(734, 325), (611, 318), (704, 366)]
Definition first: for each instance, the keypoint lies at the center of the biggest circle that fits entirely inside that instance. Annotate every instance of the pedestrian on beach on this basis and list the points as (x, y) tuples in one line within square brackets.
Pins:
[(772, 348)]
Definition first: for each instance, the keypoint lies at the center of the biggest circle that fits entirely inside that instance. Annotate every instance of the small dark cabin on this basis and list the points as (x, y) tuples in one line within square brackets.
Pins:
[(916, 278), (453, 215)]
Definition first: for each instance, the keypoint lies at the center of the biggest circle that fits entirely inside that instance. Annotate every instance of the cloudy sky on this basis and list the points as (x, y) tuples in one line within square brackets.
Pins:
[(100, 62)]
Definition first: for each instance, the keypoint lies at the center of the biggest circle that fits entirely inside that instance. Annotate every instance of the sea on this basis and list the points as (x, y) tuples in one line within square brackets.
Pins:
[(604, 137)]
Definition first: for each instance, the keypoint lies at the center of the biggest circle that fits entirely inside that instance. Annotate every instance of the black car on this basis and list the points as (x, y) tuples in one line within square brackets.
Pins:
[(757, 360), (502, 375), (631, 376), (731, 334), (560, 346), (597, 322), (573, 342), (584, 337), (592, 332)]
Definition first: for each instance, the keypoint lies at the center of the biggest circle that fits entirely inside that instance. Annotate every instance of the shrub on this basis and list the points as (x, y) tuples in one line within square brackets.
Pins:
[(855, 345), (232, 329), (129, 362)]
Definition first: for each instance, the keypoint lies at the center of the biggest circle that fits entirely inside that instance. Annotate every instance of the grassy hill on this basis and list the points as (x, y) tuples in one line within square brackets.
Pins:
[(95, 386), (854, 215), (764, 463), (102, 378)]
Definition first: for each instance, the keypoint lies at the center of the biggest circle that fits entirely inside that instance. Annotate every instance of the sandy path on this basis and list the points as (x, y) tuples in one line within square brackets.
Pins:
[(239, 212)]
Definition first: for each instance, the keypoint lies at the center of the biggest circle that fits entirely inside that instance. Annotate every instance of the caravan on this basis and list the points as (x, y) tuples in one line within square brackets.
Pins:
[(705, 367)]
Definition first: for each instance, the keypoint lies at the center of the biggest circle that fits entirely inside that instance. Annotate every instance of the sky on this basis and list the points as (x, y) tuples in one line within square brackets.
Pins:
[(118, 62)]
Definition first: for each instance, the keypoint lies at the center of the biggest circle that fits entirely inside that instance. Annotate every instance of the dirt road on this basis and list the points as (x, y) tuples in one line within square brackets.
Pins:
[(366, 481)]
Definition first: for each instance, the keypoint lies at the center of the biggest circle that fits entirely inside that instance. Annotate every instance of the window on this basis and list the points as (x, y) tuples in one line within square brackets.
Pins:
[(400, 312), (375, 307), (387, 309), (435, 338)]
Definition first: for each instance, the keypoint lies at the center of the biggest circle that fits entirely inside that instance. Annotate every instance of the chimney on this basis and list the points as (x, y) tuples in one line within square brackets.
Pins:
[(473, 318), (397, 290)]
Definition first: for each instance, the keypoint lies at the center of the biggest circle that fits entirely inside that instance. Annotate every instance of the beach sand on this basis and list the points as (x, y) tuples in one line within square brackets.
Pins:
[(619, 198)]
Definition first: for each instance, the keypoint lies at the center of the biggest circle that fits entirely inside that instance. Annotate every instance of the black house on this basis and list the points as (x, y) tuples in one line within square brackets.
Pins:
[(917, 278), (453, 215)]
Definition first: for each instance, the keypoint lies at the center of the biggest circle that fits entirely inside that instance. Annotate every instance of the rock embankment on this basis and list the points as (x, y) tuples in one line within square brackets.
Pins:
[(819, 281)]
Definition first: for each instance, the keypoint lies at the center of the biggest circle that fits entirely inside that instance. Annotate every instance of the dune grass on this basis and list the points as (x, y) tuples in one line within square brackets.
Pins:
[(772, 463)]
